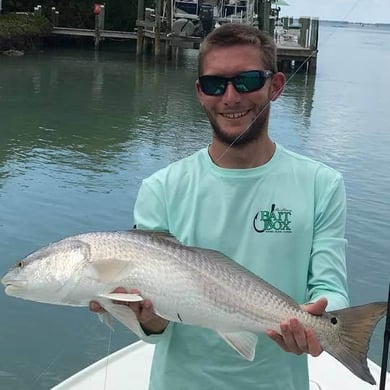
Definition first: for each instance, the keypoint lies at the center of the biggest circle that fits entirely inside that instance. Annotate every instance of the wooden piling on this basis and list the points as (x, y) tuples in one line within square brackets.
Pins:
[(271, 28), (285, 22), (140, 26), (157, 29), (304, 34), (315, 23), (264, 10), (99, 26)]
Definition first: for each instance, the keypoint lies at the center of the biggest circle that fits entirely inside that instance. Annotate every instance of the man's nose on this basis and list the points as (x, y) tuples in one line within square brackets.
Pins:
[(231, 95)]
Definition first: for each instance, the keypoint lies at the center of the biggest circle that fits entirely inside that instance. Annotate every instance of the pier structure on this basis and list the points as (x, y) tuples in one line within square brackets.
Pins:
[(176, 24)]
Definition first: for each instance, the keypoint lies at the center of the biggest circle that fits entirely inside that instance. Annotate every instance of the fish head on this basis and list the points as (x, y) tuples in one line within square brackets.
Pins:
[(48, 274)]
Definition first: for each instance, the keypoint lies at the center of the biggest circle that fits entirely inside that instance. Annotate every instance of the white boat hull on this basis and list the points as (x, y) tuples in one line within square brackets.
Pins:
[(129, 369)]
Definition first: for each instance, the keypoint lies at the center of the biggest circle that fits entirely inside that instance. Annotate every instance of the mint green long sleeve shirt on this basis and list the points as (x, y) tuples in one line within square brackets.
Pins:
[(284, 221)]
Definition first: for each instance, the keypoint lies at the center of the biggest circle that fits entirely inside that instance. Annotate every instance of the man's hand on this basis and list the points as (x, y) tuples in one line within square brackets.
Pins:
[(151, 323), (295, 338)]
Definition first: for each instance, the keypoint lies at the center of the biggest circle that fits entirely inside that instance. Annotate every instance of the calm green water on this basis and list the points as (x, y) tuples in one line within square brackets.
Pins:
[(79, 131)]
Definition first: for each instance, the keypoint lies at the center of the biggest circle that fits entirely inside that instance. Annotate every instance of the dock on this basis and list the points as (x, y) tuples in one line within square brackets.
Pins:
[(183, 25)]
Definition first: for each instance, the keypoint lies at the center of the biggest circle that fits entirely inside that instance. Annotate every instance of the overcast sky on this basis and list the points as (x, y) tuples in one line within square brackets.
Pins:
[(367, 11)]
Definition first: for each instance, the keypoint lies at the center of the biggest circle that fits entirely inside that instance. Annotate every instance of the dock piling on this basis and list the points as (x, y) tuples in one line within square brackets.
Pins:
[(54, 16), (99, 23), (157, 29), (140, 26)]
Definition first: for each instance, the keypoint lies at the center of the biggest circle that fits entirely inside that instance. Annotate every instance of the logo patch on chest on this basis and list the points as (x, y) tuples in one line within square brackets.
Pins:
[(276, 220)]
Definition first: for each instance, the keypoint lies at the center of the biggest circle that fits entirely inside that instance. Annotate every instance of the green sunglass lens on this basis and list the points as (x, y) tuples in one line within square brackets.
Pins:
[(213, 85), (248, 82)]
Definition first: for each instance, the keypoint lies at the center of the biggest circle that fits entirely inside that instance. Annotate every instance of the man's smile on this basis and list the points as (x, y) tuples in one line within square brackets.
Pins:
[(235, 115)]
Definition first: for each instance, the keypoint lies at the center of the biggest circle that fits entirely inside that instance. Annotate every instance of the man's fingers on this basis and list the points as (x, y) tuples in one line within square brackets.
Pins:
[(298, 335), (296, 339), (95, 307), (277, 338), (146, 311), (289, 337), (316, 308), (314, 346)]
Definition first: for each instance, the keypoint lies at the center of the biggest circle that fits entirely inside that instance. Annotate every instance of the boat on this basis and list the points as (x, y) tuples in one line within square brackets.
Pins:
[(199, 17), (129, 368)]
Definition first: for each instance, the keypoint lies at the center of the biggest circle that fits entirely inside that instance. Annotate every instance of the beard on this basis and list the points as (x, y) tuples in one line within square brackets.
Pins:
[(254, 131)]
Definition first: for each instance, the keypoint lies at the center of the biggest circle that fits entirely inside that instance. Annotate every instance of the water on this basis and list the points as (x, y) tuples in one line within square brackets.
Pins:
[(79, 130)]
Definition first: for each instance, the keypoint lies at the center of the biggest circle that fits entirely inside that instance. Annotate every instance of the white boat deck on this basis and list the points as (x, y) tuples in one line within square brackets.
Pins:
[(129, 369)]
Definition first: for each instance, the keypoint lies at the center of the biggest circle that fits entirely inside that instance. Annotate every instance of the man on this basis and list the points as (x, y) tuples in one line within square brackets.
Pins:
[(277, 213)]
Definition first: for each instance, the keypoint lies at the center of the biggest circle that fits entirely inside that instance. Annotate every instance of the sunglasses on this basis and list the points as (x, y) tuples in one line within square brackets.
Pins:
[(249, 81)]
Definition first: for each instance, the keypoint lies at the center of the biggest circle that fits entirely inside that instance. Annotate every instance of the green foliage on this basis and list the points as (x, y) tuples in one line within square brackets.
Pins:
[(23, 25), (22, 31)]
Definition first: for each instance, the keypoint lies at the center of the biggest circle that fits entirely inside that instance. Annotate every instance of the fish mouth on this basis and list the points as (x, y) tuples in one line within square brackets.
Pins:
[(14, 290), (12, 284)]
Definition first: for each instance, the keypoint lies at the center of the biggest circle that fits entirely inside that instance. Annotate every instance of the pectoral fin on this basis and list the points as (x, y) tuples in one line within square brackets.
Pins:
[(122, 297), (243, 342)]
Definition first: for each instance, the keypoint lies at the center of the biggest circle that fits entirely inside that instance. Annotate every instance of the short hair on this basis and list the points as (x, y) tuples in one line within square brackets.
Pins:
[(230, 34)]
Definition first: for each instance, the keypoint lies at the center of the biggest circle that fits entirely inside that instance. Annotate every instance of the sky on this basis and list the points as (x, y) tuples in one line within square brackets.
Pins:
[(365, 11)]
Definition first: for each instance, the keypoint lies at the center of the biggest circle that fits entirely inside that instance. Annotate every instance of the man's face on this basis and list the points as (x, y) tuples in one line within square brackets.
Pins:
[(237, 118)]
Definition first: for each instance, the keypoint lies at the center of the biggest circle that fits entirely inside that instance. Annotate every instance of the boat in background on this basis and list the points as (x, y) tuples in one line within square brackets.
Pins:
[(199, 17), (129, 368)]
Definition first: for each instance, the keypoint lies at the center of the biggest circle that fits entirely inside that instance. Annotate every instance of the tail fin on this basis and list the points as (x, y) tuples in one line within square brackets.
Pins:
[(356, 327)]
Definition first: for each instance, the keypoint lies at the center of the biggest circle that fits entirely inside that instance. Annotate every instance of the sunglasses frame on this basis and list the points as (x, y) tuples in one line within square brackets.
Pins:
[(263, 76)]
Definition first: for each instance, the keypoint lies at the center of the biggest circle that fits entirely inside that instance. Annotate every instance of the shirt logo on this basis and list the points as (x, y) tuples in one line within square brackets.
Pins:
[(274, 221)]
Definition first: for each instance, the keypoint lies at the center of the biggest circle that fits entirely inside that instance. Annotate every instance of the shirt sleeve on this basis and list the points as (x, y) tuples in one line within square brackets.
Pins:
[(149, 214), (327, 271), (149, 210)]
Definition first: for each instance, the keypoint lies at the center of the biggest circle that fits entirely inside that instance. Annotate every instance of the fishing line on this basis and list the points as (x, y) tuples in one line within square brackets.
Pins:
[(289, 79), (54, 360), (45, 370), (76, 335), (108, 357), (386, 342)]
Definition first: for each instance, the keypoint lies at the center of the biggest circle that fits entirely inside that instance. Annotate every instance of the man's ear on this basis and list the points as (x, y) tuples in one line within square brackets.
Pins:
[(278, 83), (197, 88), (199, 92)]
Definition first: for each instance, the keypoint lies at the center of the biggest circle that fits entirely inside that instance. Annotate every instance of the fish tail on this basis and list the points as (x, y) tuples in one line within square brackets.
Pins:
[(356, 325)]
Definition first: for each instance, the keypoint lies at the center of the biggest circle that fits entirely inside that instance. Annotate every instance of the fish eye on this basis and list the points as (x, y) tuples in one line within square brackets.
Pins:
[(333, 320), (20, 264)]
